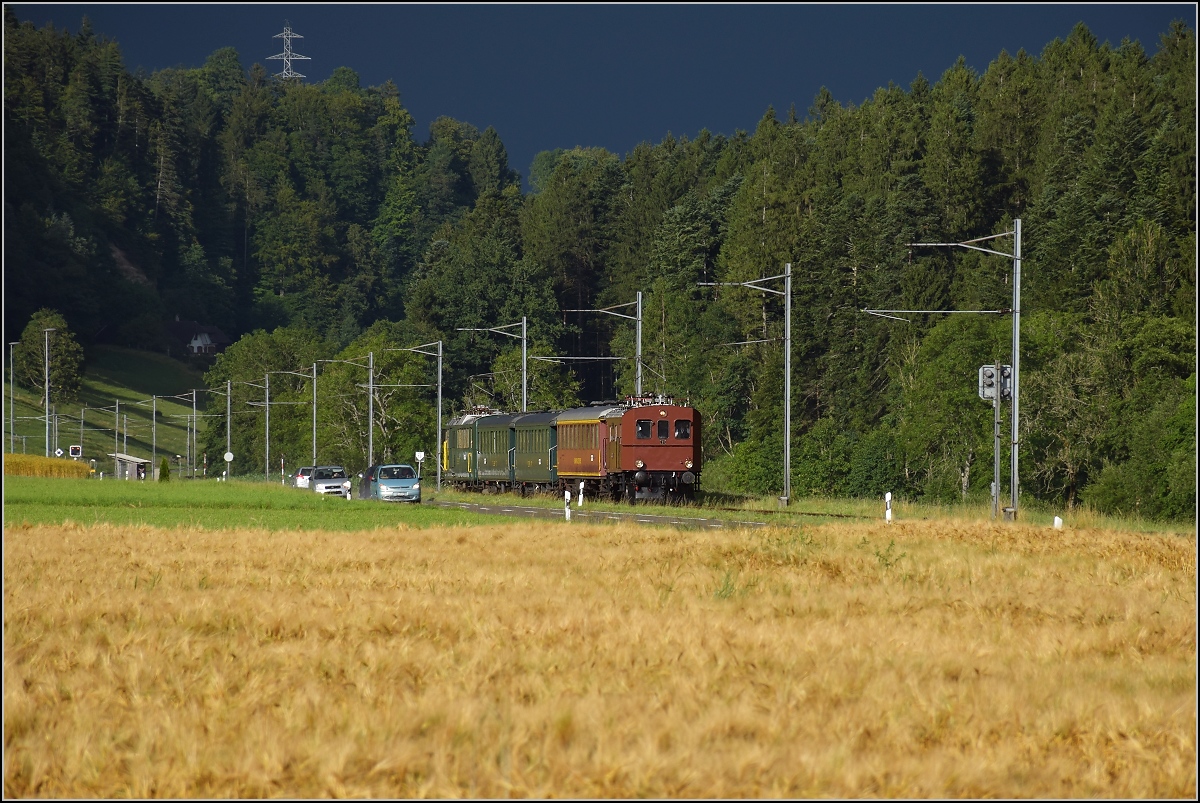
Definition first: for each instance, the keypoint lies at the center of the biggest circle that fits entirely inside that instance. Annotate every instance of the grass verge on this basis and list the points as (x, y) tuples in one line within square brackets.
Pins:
[(209, 505), (803, 511)]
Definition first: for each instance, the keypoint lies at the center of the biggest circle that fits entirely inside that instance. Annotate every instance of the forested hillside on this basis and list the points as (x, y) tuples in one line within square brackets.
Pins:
[(312, 219)]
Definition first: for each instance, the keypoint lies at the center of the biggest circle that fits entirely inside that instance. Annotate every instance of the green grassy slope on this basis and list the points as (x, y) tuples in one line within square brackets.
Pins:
[(112, 375)]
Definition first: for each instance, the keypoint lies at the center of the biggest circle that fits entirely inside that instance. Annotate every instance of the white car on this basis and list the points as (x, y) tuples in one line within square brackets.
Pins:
[(329, 481), (300, 478)]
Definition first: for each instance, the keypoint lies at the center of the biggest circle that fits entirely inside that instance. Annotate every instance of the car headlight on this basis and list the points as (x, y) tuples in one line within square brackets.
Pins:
[(416, 486), (687, 463), (640, 463)]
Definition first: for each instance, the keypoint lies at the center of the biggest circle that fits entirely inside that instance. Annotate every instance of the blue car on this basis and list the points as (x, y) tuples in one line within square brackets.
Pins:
[(392, 482)]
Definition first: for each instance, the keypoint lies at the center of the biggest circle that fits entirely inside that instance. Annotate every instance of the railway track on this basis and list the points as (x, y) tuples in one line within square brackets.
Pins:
[(795, 513), (638, 517), (601, 516)]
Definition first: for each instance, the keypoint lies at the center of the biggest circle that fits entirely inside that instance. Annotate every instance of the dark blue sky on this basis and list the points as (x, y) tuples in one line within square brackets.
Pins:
[(557, 76)]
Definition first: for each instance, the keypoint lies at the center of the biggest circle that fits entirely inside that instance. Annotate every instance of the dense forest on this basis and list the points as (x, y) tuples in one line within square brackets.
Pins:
[(310, 222)]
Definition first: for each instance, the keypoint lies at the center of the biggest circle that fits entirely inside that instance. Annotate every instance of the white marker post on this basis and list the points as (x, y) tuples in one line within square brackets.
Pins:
[(1057, 523), (567, 504), (887, 507), (580, 503)]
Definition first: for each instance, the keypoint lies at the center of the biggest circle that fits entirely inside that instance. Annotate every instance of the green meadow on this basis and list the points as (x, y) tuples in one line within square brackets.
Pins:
[(211, 505)]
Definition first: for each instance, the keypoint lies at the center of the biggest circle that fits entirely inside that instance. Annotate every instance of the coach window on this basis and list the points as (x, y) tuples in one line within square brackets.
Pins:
[(683, 429), (643, 429), (664, 428)]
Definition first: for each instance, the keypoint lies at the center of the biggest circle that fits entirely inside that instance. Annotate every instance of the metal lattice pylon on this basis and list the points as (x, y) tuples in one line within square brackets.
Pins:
[(287, 55)]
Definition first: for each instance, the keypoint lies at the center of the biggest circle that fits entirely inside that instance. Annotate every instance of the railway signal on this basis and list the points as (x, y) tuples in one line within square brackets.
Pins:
[(995, 383), (987, 382)]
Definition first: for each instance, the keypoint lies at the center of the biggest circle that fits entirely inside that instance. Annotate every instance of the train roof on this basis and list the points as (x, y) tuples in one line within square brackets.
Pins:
[(589, 414), (498, 420), (533, 419), (645, 407), (467, 418), (634, 402)]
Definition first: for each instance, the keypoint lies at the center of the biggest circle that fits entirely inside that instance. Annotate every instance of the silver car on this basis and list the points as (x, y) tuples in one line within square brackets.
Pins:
[(330, 481), (301, 477)]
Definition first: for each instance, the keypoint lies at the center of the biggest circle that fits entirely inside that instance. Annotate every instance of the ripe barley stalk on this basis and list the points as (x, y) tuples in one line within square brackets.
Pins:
[(972, 660)]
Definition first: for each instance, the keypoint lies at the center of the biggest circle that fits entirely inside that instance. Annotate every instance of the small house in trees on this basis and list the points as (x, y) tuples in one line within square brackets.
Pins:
[(197, 339)]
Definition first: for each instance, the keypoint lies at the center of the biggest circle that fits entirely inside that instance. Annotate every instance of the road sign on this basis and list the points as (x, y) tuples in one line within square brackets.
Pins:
[(229, 457), (76, 450), (58, 452)]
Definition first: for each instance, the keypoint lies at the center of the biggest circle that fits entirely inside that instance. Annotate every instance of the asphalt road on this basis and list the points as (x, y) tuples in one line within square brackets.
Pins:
[(599, 516)]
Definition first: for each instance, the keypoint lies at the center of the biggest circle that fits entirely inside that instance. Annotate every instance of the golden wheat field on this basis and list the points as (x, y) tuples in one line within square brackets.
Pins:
[(961, 659), (31, 465)]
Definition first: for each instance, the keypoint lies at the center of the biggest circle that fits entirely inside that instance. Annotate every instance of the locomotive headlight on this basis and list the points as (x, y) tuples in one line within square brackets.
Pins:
[(687, 463), (639, 463)]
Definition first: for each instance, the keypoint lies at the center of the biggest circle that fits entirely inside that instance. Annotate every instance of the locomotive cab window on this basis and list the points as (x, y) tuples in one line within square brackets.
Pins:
[(683, 429), (643, 429), (664, 428)]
